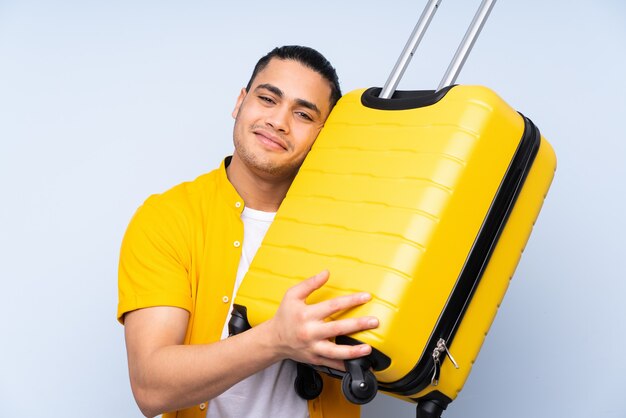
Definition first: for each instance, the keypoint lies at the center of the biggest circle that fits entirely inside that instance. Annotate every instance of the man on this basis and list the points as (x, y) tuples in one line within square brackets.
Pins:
[(182, 260)]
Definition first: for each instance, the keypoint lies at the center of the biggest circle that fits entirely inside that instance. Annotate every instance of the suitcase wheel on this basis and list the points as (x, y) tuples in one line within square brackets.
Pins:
[(359, 384), (431, 408), (308, 383)]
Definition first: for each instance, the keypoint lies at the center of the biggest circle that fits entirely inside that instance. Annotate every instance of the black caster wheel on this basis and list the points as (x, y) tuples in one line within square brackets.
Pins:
[(359, 391), (308, 383), (430, 409)]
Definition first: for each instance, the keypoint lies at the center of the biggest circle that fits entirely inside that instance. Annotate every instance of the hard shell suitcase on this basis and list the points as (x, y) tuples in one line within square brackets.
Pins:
[(424, 199)]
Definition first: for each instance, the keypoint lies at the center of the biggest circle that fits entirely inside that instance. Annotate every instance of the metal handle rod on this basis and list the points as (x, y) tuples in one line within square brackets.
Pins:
[(467, 43), (409, 49)]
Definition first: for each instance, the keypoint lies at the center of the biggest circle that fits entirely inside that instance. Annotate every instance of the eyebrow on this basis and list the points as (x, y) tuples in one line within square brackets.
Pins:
[(300, 102)]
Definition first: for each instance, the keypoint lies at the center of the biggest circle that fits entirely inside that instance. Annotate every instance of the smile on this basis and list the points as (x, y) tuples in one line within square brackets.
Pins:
[(270, 141)]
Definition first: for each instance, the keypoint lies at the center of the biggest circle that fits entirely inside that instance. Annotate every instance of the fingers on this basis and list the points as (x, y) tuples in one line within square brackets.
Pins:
[(303, 289), (320, 327), (341, 303), (324, 309), (305, 332), (347, 326), (332, 355)]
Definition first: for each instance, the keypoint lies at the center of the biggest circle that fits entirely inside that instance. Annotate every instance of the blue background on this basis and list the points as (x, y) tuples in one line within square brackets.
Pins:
[(103, 103)]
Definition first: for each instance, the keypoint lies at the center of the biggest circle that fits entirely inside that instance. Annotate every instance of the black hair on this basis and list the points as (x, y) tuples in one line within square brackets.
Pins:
[(308, 57)]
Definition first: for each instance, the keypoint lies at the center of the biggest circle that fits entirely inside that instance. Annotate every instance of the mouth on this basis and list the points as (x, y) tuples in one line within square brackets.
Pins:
[(270, 140)]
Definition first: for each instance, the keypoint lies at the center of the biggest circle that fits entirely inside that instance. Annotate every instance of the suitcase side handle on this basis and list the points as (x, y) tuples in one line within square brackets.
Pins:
[(459, 58)]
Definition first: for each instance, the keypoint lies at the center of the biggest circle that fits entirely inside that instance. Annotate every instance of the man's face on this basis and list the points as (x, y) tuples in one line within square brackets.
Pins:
[(278, 119)]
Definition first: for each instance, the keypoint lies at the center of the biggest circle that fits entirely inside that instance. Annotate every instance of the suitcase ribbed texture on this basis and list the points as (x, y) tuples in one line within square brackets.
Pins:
[(391, 202)]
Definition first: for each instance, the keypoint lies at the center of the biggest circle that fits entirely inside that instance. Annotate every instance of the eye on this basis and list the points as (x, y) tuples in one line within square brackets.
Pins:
[(267, 99), (304, 116)]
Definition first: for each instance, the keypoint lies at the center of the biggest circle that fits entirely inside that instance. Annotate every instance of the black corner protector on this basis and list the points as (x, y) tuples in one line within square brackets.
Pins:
[(435, 395), (238, 320), (402, 99)]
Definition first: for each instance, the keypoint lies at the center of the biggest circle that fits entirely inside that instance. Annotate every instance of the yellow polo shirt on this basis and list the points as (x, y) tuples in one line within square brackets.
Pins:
[(182, 249)]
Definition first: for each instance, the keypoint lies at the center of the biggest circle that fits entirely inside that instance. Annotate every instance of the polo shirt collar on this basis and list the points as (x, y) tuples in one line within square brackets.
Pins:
[(227, 190)]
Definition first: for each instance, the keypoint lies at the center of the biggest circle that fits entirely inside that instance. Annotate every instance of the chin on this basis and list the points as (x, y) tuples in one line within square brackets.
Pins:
[(265, 162), (276, 169)]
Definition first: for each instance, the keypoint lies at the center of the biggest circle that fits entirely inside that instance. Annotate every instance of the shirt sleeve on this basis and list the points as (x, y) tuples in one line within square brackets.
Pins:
[(154, 260)]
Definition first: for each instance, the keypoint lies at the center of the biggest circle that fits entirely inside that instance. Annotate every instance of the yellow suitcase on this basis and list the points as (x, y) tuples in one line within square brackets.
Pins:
[(425, 200)]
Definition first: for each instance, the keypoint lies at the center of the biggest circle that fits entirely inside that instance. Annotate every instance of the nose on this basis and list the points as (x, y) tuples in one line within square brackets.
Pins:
[(278, 119)]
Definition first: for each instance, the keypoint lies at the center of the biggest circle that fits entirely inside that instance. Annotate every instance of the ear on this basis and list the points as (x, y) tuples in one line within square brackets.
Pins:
[(242, 95)]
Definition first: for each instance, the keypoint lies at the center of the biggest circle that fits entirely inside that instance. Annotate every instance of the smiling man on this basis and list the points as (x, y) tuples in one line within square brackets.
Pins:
[(186, 251), (277, 118)]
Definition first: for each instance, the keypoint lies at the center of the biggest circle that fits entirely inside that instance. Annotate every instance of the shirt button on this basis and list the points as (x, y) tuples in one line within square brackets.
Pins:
[(225, 299), (237, 244), (202, 406), (238, 204)]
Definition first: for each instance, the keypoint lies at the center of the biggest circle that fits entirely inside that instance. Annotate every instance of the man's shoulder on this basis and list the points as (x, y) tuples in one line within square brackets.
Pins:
[(187, 194)]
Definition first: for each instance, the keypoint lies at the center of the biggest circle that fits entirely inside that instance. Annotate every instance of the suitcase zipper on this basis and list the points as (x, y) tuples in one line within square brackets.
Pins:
[(428, 367), (440, 349)]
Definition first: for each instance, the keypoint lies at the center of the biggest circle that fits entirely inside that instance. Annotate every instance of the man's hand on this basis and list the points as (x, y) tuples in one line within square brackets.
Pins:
[(167, 375), (304, 332)]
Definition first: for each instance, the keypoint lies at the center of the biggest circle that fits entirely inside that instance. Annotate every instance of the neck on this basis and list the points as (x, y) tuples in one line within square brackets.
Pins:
[(259, 190)]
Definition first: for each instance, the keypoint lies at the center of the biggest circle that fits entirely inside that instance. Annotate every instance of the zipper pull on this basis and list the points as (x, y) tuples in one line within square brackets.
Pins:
[(434, 381), (439, 349), (442, 343)]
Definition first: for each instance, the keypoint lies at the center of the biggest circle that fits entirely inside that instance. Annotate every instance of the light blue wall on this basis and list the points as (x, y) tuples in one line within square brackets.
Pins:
[(105, 102)]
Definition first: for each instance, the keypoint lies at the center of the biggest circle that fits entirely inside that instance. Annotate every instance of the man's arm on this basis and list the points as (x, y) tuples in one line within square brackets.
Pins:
[(166, 375)]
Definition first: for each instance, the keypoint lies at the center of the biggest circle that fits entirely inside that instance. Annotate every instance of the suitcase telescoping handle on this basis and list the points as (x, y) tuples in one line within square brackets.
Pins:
[(409, 49), (416, 36)]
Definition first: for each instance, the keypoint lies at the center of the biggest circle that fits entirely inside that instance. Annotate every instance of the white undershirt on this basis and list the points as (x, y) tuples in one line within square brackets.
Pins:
[(270, 392)]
